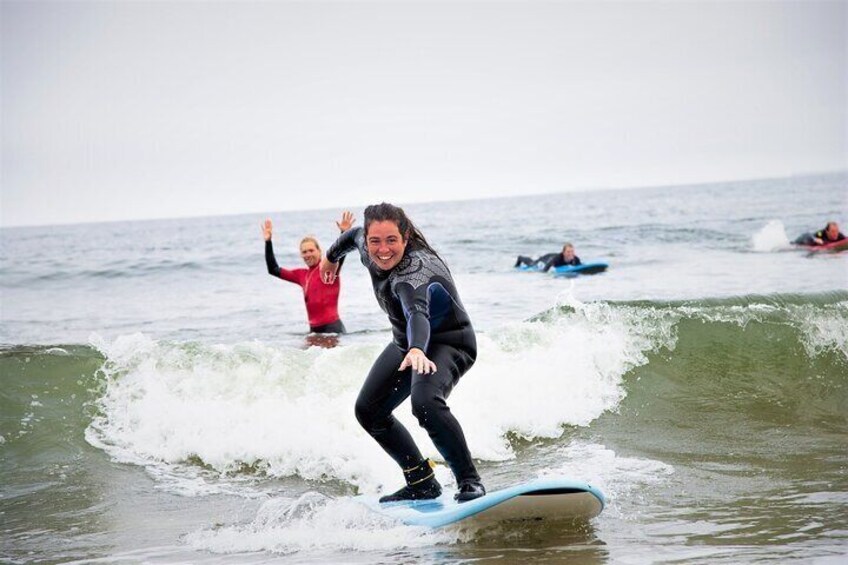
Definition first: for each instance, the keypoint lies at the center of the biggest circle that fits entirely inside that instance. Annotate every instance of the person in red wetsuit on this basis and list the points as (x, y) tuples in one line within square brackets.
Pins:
[(322, 301)]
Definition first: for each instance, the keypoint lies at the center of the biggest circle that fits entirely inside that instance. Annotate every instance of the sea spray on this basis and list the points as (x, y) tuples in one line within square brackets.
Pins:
[(772, 237)]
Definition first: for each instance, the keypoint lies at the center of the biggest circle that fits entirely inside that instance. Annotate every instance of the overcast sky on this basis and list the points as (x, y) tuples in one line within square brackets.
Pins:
[(125, 110)]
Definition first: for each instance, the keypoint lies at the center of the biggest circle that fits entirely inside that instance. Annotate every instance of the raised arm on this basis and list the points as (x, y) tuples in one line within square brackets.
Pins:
[(270, 261), (343, 245), (344, 224), (346, 243)]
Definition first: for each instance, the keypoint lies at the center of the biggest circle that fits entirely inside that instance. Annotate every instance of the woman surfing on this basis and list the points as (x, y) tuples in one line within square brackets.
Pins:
[(433, 346)]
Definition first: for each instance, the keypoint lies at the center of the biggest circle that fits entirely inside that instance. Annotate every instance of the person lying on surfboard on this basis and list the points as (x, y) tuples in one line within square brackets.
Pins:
[(322, 301), (829, 234), (566, 257), (433, 345)]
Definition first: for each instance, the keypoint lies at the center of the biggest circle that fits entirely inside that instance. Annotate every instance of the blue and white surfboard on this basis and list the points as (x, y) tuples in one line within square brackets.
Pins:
[(548, 498)]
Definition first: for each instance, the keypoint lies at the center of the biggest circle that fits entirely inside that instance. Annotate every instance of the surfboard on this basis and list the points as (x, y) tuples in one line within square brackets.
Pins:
[(569, 270), (548, 498), (840, 245), (583, 269)]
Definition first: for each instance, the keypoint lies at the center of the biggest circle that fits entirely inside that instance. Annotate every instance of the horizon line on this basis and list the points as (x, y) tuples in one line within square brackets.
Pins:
[(413, 203)]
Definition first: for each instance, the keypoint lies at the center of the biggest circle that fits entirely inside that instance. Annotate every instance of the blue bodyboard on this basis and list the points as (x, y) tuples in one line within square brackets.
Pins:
[(583, 269), (548, 498), (568, 270)]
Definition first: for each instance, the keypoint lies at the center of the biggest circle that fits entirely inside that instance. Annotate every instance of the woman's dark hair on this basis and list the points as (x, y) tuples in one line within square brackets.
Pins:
[(389, 212)]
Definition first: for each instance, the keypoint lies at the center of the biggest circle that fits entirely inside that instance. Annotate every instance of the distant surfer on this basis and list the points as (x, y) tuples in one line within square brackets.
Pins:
[(546, 262), (433, 346), (830, 234), (322, 301)]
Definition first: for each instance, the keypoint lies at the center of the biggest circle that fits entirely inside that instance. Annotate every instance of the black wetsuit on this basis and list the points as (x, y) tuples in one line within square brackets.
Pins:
[(549, 260), (425, 311), (808, 238)]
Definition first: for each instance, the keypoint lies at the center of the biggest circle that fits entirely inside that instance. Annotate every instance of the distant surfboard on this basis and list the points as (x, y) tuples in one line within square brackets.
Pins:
[(569, 270), (549, 498)]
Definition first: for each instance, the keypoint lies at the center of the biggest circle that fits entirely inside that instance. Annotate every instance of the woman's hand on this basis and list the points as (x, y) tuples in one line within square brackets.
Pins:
[(267, 227), (346, 222), (328, 270), (416, 359)]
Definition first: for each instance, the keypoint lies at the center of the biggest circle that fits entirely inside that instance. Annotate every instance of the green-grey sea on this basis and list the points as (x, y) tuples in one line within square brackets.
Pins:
[(162, 402)]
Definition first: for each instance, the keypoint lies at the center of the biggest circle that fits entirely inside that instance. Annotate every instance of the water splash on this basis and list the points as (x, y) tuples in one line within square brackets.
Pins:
[(772, 237)]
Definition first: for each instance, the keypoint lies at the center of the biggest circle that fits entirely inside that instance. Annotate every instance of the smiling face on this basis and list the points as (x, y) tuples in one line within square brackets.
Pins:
[(385, 244), (310, 253)]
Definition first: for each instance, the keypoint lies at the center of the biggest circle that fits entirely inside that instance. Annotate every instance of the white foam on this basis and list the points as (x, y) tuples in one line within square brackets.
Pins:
[(286, 412), (772, 237), (536, 377), (616, 476), (283, 411), (823, 329), (316, 524)]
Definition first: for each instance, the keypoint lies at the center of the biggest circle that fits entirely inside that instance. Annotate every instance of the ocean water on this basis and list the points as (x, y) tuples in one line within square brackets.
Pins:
[(162, 403)]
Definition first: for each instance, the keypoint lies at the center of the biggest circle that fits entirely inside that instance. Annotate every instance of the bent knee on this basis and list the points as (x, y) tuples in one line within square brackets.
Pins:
[(426, 399), (364, 414)]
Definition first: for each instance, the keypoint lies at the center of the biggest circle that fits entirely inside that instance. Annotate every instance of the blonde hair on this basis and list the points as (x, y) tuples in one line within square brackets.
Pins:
[(567, 245), (310, 238)]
